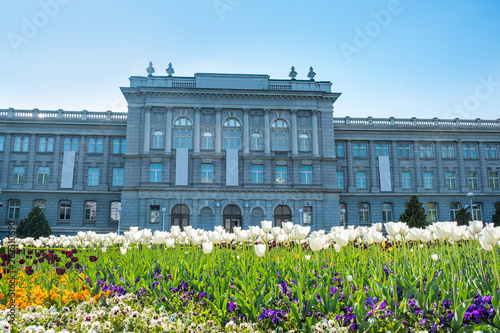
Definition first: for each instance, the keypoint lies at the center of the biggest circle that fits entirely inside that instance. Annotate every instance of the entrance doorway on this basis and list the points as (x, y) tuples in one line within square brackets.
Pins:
[(232, 217)]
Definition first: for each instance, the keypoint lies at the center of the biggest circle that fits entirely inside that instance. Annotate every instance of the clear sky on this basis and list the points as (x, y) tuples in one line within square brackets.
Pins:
[(407, 58)]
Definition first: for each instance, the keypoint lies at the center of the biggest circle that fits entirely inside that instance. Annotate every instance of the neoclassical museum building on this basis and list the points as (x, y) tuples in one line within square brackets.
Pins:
[(234, 149)]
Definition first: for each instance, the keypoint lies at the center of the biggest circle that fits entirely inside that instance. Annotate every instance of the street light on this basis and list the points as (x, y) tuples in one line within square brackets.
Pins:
[(119, 209), (163, 210), (343, 215), (300, 212), (471, 195)]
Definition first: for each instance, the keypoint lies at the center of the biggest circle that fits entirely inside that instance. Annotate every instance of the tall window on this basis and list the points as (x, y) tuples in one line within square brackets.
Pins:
[(119, 146), (65, 210), (472, 180), (304, 142), (306, 175), (426, 150), (343, 214), (404, 150), (406, 180), (183, 131), (281, 175), (114, 212), (364, 212), (280, 131), (450, 180), (386, 212), (71, 144), (43, 175), (307, 215), (340, 179), (490, 150), (14, 207), (207, 173), (18, 175), (154, 214), (493, 176), (257, 174), (93, 177), (207, 140), (2, 140), (454, 208), (447, 150), (118, 176), (21, 143), (90, 210), (469, 150), (382, 149), (46, 144), (428, 180), (359, 149), (476, 211), (155, 173), (256, 141), (432, 212), (340, 149), (361, 180), (40, 204), (232, 134), (95, 145), (157, 140)]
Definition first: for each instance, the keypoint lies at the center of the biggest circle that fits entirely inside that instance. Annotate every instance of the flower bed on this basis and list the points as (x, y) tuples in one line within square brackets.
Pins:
[(444, 278)]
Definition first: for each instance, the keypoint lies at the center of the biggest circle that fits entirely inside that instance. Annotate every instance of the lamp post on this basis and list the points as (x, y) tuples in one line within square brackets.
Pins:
[(119, 209), (300, 212), (343, 215), (471, 195), (163, 210)]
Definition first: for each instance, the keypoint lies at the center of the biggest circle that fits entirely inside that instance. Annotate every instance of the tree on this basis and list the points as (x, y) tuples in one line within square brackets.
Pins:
[(35, 225), (414, 214), (463, 216), (496, 217)]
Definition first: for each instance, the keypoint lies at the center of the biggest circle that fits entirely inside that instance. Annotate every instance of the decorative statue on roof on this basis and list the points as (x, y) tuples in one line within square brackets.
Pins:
[(150, 69), (293, 73), (170, 70), (311, 74)]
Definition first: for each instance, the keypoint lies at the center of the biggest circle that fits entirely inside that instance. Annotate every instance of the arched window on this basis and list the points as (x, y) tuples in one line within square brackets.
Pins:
[(279, 135), (180, 216), (432, 212), (207, 140), (386, 212), (158, 140), (232, 134), (183, 130), (282, 213), (231, 217), (256, 141), (304, 142), (206, 218), (90, 210)]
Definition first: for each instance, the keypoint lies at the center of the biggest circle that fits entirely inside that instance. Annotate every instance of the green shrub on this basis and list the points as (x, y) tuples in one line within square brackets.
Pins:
[(35, 225), (414, 214)]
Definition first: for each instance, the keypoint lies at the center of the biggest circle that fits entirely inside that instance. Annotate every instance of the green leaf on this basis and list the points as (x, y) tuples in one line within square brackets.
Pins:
[(458, 317), (478, 328)]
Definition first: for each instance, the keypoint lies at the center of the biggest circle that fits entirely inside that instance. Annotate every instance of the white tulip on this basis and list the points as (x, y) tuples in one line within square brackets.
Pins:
[(485, 245), (196, 240), (208, 247), (281, 239), (254, 231), (169, 242), (103, 250), (276, 231), (377, 227), (216, 238), (425, 236), (475, 227), (266, 226), (349, 278), (316, 244), (243, 236), (414, 234), (219, 229), (287, 227), (369, 238), (342, 238), (307, 257), (260, 250), (393, 228), (444, 229), (300, 232), (123, 250), (337, 248), (435, 257), (176, 231), (378, 237), (236, 230), (491, 235)]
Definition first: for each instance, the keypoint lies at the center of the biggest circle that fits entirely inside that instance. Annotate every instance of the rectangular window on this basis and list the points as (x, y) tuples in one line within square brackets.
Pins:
[(340, 149), (404, 150), (71, 144), (155, 174), (447, 150), (494, 180), (118, 174), (469, 150), (46, 144), (207, 141), (90, 210), (65, 210), (432, 212), (95, 145), (361, 180), (476, 211), (307, 215), (490, 150), (359, 149), (40, 204), (207, 173), (154, 214), (14, 207), (306, 175), (382, 149), (428, 180), (426, 150), (386, 212), (124, 146), (406, 180), (115, 211), (281, 175), (43, 175), (2, 139), (364, 212), (472, 180), (18, 175), (257, 174), (454, 208), (340, 179), (93, 177), (119, 146), (450, 180), (21, 143)]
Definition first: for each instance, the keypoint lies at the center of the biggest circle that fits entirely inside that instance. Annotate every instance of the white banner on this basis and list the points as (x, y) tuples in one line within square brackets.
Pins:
[(68, 169), (181, 166), (231, 167), (385, 174)]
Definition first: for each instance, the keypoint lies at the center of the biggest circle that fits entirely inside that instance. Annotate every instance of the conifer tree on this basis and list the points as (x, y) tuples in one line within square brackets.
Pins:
[(463, 216), (414, 214), (35, 225), (496, 217)]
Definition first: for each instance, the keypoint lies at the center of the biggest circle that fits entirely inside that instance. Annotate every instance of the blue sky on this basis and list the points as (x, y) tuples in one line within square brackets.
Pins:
[(401, 58)]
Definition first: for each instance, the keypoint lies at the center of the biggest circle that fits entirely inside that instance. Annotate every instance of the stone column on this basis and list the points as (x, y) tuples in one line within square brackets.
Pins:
[(351, 187), (417, 164), (315, 133), (439, 164), (267, 133), (31, 174), (104, 180), (218, 131), (168, 131), (147, 129), (5, 172), (295, 150), (196, 134), (395, 167), (483, 181), (462, 180), (80, 179), (55, 179), (373, 167), (246, 132)]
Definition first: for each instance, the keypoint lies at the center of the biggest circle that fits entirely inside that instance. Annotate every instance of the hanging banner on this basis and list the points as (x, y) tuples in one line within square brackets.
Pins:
[(68, 169), (231, 167), (181, 166), (385, 174)]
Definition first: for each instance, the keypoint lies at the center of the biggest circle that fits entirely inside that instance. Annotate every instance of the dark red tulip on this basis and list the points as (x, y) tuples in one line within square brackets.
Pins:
[(4, 263), (60, 271), (22, 261), (38, 254), (35, 261), (57, 259), (93, 258), (74, 259), (69, 254), (30, 251), (17, 251), (29, 270), (74, 251), (68, 264), (78, 266)]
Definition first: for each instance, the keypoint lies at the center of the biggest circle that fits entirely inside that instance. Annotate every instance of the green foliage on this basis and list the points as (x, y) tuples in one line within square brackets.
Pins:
[(35, 225), (414, 214), (496, 217), (463, 216)]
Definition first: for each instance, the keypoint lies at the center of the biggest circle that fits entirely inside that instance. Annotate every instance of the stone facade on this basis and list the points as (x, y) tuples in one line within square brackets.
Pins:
[(169, 159)]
